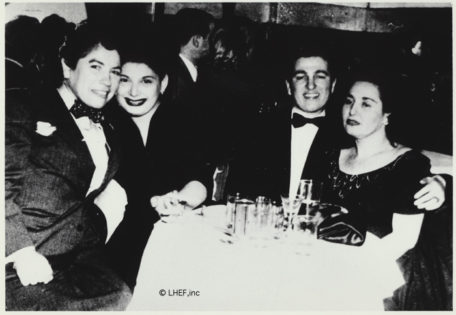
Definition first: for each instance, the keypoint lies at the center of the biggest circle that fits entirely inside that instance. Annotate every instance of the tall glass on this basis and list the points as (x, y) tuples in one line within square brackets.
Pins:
[(243, 208), (230, 207), (310, 193)]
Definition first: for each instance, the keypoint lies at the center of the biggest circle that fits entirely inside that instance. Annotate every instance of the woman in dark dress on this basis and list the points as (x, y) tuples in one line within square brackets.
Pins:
[(159, 171), (375, 179)]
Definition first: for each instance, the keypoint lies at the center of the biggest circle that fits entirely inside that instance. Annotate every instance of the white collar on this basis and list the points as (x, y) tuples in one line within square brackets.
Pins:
[(67, 95), (305, 114), (15, 62), (190, 66)]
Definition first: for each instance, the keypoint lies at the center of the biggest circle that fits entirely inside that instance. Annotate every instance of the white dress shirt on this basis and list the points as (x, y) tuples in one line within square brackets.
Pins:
[(113, 199), (191, 67), (94, 137), (301, 141)]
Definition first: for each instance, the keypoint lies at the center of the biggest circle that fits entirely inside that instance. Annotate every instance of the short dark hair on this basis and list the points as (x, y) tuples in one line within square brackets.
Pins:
[(80, 42), (314, 49), (191, 22), (139, 52)]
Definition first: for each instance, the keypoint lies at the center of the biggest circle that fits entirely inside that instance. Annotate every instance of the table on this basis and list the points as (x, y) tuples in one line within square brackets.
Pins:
[(186, 266)]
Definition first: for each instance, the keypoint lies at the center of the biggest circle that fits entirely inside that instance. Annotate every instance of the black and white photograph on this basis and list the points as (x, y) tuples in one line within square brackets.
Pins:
[(236, 156)]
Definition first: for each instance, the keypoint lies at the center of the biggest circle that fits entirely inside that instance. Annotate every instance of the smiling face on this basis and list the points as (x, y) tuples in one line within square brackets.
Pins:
[(311, 84), (362, 111), (139, 88), (95, 77)]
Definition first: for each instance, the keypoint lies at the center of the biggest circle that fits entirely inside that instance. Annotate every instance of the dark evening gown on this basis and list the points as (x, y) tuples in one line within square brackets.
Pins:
[(372, 198), (165, 163)]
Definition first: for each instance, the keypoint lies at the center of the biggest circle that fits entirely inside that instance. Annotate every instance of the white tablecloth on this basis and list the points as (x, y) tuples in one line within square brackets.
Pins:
[(284, 274)]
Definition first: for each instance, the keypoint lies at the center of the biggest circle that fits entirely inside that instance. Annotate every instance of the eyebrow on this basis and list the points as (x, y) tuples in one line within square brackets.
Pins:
[(96, 60), (317, 72), (369, 99), (322, 72), (101, 63)]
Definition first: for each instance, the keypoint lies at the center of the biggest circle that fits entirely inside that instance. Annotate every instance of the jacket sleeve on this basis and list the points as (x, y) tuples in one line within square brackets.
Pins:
[(18, 128)]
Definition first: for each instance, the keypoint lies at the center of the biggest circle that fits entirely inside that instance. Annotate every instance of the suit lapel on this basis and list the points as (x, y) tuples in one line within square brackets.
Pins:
[(314, 163), (114, 152), (283, 152), (55, 108)]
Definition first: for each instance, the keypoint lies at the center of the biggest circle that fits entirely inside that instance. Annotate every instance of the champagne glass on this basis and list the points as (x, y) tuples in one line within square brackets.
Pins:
[(291, 207)]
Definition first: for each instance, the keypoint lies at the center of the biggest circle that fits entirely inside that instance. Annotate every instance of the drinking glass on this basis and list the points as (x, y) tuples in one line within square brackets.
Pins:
[(230, 207), (242, 211), (310, 192), (291, 207), (263, 207)]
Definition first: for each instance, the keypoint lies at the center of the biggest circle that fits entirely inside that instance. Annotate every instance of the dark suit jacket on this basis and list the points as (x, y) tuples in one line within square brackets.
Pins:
[(181, 88), (264, 167), (47, 178)]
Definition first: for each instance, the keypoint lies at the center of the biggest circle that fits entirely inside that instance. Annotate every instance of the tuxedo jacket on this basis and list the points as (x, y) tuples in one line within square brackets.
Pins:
[(264, 167), (47, 176)]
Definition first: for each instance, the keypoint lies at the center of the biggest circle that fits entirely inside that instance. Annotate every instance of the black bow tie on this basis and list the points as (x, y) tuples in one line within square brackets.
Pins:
[(79, 109), (298, 120)]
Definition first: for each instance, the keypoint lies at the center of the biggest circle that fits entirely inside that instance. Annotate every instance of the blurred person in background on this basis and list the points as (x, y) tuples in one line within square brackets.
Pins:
[(22, 37), (54, 30)]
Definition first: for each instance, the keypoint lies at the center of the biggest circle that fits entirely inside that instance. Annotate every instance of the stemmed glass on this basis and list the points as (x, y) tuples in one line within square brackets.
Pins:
[(291, 207)]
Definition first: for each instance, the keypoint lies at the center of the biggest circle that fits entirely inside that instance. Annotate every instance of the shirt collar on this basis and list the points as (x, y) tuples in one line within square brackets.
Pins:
[(67, 95), (190, 66), (305, 114)]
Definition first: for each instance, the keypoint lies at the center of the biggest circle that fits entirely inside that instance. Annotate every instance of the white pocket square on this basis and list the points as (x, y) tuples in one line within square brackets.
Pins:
[(44, 128)]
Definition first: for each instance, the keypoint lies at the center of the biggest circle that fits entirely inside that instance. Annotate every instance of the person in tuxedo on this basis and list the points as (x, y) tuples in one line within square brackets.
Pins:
[(60, 159), (296, 139), (157, 163)]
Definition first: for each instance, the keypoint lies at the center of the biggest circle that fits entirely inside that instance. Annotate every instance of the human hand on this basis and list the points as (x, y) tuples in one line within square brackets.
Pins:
[(168, 205), (31, 267), (432, 195)]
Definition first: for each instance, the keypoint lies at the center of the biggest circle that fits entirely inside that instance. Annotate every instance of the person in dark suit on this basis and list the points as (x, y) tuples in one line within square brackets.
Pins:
[(295, 140), (61, 157), (157, 163), (193, 30), (187, 88)]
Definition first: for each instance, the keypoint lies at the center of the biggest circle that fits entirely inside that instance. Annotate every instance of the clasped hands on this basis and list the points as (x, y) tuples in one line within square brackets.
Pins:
[(170, 205)]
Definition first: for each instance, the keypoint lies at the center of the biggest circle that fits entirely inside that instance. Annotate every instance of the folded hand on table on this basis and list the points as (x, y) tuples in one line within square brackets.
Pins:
[(175, 202), (169, 204)]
